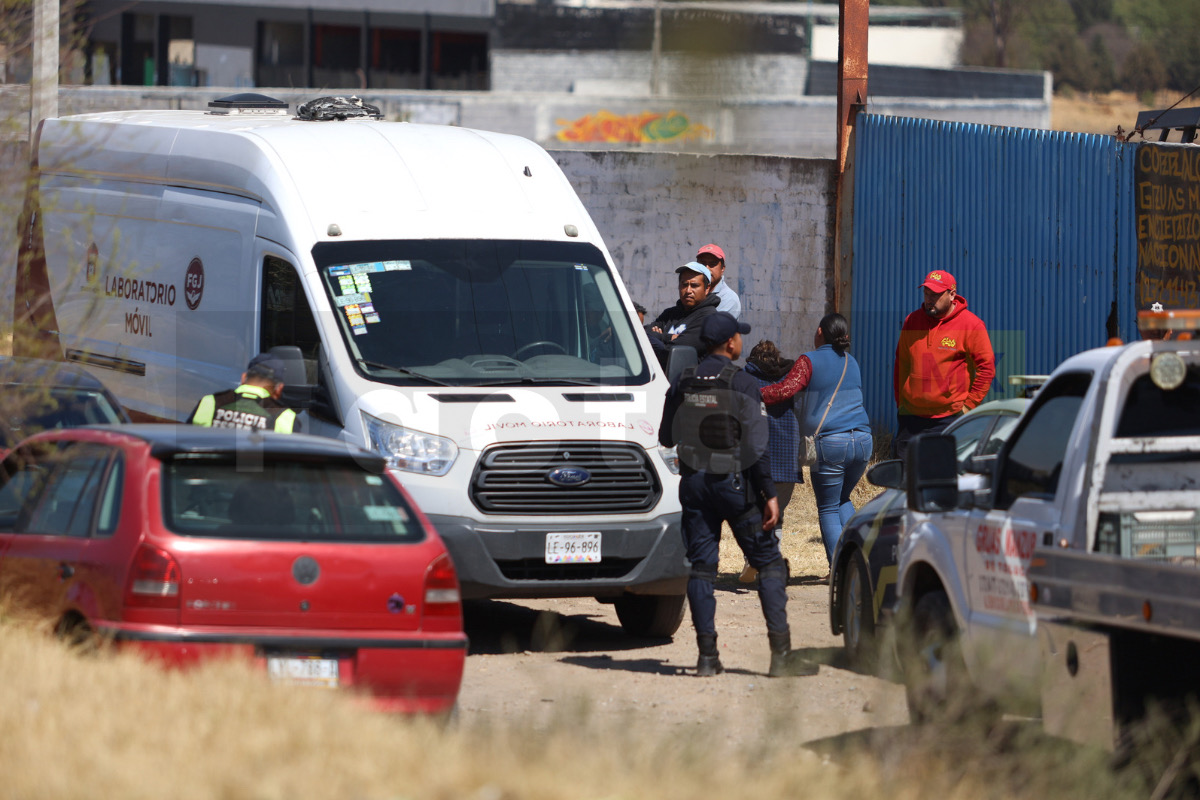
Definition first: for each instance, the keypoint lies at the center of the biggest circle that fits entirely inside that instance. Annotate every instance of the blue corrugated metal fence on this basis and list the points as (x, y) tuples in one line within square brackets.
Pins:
[(1036, 226)]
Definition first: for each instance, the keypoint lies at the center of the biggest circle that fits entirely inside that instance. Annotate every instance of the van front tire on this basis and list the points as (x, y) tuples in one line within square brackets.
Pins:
[(651, 615)]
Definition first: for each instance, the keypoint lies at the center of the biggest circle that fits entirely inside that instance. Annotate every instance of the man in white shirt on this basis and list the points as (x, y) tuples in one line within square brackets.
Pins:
[(713, 257)]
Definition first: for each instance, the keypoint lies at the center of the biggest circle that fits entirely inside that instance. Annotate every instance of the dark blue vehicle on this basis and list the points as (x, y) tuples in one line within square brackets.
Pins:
[(862, 582), (38, 395)]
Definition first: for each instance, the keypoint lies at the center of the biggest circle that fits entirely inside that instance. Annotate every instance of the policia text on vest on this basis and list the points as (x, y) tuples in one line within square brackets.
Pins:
[(253, 406)]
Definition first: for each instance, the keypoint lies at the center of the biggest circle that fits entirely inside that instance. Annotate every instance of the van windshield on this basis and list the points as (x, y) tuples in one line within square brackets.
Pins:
[(479, 312)]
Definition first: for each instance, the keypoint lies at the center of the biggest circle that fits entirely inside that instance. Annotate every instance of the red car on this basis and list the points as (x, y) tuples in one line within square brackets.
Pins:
[(299, 552)]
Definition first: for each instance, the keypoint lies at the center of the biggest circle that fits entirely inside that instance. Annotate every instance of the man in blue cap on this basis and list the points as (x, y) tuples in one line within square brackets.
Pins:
[(715, 418), (252, 406)]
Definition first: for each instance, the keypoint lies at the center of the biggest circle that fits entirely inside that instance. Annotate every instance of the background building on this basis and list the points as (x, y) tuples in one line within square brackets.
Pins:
[(354, 44)]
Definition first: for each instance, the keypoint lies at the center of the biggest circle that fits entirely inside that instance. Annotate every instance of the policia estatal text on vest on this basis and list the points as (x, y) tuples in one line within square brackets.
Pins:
[(253, 406), (716, 420)]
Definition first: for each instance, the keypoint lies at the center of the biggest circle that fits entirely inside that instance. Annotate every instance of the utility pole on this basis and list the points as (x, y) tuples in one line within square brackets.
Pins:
[(43, 85), (853, 22)]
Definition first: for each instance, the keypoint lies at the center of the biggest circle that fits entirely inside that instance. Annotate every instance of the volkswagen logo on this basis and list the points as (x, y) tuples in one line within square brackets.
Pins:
[(305, 570), (568, 476)]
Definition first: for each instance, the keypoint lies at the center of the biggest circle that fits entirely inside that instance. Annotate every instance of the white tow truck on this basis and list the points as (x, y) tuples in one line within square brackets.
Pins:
[(1060, 573)]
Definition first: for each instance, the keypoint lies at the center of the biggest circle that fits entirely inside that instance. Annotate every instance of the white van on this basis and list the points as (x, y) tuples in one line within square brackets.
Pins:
[(453, 303)]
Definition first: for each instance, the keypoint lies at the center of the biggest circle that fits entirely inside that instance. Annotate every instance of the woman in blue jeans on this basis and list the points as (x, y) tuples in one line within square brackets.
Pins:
[(834, 413)]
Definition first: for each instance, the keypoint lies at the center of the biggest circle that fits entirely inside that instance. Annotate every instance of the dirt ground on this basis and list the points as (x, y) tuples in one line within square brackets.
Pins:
[(535, 661)]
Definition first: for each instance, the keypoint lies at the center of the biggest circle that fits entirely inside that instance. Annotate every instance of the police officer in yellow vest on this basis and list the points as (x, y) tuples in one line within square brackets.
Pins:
[(253, 406)]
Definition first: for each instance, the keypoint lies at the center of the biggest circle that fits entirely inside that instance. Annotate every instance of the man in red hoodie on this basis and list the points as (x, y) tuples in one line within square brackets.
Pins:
[(944, 362)]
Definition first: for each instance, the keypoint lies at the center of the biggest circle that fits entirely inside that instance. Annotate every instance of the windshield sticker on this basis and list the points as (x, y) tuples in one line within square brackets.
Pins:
[(358, 330), (582, 267), (356, 320), (346, 283), (373, 480), (371, 317), (351, 270), (362, 283), (385, 514), (352, 299), (363, 270), (353, 309)]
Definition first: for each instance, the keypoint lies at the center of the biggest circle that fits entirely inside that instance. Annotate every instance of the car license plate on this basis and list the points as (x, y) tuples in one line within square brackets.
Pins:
[(303, 670), (573, 548)]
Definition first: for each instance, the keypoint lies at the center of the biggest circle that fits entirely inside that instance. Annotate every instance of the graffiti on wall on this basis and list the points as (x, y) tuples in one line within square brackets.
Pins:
[(646, 127)]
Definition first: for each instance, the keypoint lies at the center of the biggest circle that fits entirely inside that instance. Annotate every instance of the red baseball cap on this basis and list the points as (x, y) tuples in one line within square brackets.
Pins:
[(940, 281), (711, 248)]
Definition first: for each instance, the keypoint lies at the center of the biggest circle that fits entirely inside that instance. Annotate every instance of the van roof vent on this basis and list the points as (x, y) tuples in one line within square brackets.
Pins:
[(324, 109), (248, 103)]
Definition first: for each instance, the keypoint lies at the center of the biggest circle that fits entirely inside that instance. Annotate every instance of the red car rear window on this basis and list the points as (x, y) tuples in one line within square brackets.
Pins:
[(284, 500)]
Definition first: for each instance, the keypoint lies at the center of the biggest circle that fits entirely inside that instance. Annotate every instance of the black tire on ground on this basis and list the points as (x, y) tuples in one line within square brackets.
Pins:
[(935, 676), (655, 615), (858, 612), (78, 635)]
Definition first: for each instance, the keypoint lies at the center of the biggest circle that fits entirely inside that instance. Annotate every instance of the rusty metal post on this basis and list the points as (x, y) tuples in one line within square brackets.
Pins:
[(852, 96)]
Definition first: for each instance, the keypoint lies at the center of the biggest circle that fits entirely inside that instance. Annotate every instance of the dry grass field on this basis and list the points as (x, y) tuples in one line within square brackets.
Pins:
[(107, 725), (1102, 113)]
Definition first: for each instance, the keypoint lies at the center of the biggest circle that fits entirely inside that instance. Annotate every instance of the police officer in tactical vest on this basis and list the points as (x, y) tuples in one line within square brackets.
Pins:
[(253, 406), (715, 418)]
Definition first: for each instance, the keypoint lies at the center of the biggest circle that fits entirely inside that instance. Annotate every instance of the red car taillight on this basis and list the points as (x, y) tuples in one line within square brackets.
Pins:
[(153, 580), (442, 597)]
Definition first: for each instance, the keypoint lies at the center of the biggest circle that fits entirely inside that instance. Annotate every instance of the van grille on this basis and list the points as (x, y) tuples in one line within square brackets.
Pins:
[(515, 479)]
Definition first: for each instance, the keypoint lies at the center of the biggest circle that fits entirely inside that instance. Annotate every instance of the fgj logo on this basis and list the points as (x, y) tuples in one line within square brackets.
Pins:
[(193, 284), (93, 256)]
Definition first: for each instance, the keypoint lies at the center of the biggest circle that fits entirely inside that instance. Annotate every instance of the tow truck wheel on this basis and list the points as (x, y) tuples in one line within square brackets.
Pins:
[(651, 615), (858, 618), (934, 671)]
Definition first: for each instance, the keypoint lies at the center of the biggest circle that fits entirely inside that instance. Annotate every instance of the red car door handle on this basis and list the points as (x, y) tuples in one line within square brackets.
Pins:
[(65, 571)]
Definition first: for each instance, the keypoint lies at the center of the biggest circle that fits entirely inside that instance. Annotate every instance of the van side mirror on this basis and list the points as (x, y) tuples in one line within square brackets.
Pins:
[(932, 473), (680, 358), (887, 474)]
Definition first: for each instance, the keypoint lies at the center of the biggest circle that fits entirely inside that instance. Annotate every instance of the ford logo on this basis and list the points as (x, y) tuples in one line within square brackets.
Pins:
[(568, 476)]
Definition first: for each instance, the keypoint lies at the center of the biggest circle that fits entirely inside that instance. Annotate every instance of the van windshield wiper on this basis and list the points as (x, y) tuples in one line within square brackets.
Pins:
[(528, 380), (366, 362)]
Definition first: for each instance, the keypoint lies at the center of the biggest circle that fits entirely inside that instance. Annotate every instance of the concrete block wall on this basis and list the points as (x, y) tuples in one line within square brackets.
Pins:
[(772, 215)]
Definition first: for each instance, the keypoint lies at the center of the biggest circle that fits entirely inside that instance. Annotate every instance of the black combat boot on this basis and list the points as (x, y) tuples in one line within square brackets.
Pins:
[(784, 662), (710, 661), (781, 646)]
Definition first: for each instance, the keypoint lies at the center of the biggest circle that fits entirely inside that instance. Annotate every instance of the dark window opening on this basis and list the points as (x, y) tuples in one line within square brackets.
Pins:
[(286, 318), (280, 54), (460, 60), (1035, 459), (1151, 411)]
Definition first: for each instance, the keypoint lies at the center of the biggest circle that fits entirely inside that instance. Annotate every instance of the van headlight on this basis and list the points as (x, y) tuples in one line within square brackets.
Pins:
[(670, 458), (409, 450)]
